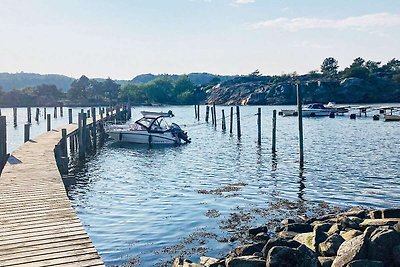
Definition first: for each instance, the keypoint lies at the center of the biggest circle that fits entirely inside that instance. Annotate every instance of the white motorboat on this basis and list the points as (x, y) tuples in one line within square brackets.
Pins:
[(151, 129), (288, 112), (317, 110), (392, 117)]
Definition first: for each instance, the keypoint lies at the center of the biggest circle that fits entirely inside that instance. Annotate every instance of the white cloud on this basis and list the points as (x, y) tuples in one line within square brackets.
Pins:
[(244, 1), (365, 22)]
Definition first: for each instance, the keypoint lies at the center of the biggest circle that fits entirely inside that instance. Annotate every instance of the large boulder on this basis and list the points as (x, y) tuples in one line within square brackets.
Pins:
[(326, 261), (379, 222), (350, 250), (245, 261), (347, 235), (298, 227), (396, 255), (180, 262), (365, 263), (282, 257), (274, 242), (381, 245), (248, 250), (331, 245)]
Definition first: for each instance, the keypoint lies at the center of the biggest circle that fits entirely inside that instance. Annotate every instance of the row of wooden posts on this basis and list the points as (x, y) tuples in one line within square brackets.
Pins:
[(84, 139), (238, 129), (238, 126), (57, 110)]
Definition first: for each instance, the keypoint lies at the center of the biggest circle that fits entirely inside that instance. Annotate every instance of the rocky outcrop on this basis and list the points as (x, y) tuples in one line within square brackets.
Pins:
[(350, 239)]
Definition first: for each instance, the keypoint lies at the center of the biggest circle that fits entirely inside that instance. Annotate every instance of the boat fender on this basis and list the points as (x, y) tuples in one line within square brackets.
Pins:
[(120, 136)]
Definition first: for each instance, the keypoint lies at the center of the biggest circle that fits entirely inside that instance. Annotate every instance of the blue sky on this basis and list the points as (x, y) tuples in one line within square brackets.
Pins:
[(121, 38)]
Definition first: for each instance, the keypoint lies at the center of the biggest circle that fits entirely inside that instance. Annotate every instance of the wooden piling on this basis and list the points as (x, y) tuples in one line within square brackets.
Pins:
[(259, 126), (70, 115), (300, 117), (88, 113), (29, 114), (195, 111), (61, 111), (207, 113), (45, 113), (198, 112), (231, 122), (15, 111), (239, 132), (48, 122), (26, 132), (37, 114), (81, 125), (215, 116), (3, 139), (212, 116), (64, 142), (94, 129), (55, 112), (274, 131), (223, 121)]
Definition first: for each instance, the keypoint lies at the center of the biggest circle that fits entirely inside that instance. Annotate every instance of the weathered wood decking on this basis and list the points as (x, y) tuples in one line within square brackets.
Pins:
[(38, 226)]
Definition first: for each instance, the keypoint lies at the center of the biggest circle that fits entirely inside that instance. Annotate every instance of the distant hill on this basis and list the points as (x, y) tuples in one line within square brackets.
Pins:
[(196, 78), (9, 81)]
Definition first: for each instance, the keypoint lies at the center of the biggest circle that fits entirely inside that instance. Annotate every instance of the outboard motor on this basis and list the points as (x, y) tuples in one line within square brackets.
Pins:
[(176, 130)]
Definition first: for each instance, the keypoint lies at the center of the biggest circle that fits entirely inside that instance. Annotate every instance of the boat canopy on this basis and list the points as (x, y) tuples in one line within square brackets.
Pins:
[(316, 106), (152, 124)]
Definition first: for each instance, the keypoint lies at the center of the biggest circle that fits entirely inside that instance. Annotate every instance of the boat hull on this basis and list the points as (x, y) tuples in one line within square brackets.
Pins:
[(315, 112), (391, 117), (143, 137)]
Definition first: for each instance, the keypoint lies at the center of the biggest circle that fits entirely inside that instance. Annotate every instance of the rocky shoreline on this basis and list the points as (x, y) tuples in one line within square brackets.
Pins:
[(357, 237)]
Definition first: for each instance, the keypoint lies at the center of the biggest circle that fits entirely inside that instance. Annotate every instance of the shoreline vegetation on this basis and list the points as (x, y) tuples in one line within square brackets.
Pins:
[(364, 81), (356, 237)]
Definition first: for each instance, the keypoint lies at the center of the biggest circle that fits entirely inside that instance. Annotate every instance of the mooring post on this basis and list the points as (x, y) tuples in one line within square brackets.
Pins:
[(45, 113), (81, 137), (3, 139), (239, 132), (300, 116), (195, 112), (48, 122), (215, 116), (198, 112), (61, 111), (64, 142), (88, 113), (274, 131), (37, 114), (26, 132), (223, 121), (212, 116), (55, 112), (231, 122), (94, 129), (15, 116), (259, 126), (70, 115), (207, 113), (29, 114)]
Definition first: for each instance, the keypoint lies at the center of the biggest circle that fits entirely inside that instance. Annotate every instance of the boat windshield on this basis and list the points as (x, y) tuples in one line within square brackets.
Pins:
[(151, 124), (316, 106)]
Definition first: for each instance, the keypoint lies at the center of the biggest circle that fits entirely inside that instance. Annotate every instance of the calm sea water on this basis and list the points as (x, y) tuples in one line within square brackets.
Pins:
[(142, 206)]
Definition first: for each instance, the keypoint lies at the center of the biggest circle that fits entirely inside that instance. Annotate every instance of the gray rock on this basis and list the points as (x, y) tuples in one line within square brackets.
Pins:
[(287, 234), (211, 262), (279, 242), (353, 249), (298, 227), (391, 213), (375, 214), (396, 255), (245, 261), (331, 245), (347, 235), (379, 222), (326, 261), (307, 239), (365, 263), (282, 257), (248, 250), (381, 245), (356, 212), (256, 230), (263, 236), (307, 257), (324, 227), (287, 221), (335, 229), (180, 262)]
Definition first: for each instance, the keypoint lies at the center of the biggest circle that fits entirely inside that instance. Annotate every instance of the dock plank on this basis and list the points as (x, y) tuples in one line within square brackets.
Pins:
[(38, 225)]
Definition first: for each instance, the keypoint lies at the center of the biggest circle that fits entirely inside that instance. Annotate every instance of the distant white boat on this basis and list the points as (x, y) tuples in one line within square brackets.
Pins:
[(288, 112), (388, 117), (316, 110)]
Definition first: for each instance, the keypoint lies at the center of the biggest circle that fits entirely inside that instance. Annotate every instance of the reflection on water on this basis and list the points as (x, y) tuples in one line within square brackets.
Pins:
[(144, 204)]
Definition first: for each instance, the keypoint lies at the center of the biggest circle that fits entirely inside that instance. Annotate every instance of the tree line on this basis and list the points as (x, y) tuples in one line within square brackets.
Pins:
[(164, 90)]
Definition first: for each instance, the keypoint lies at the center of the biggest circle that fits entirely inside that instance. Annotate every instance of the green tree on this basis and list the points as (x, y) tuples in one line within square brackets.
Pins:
[(183, 84), (133, 93), (79, 89), (160, 91), (329, 67)]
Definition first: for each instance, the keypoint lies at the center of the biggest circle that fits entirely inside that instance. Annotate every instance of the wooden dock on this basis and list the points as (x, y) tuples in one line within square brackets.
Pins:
[(38, 226)]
